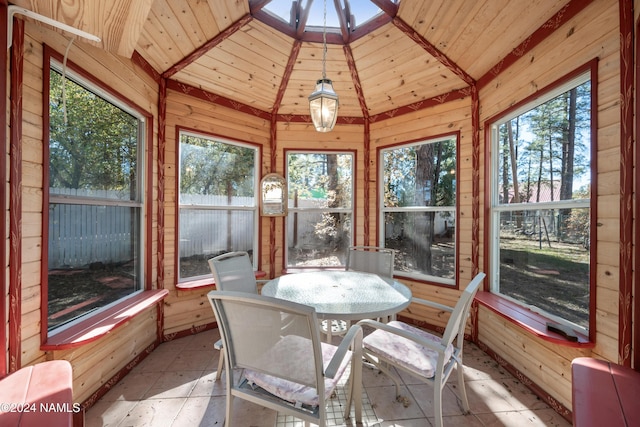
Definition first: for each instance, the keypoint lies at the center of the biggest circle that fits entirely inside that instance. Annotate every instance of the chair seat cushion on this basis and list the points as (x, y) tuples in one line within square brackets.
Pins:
[(404, 352), (293, 347)]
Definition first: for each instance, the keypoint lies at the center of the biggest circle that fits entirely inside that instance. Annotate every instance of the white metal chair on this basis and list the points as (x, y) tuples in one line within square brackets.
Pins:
[(368, 259), (284, 366), (232, 271), (426, 356), (371, 259)]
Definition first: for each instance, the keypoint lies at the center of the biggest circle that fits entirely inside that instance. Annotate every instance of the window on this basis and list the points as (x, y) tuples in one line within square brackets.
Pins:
[(418, 208), (541, 198), (95, 210), (319, 221), (218, 202)]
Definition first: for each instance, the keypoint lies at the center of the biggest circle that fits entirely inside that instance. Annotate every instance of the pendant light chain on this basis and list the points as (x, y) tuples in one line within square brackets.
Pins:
[(324, 42), (323, 101)]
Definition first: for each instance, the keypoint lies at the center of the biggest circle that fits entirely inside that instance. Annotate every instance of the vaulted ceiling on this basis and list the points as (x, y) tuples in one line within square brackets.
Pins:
[(407, 52)]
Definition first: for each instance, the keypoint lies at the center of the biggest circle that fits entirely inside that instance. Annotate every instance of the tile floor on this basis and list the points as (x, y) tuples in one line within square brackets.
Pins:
[(174, 386)]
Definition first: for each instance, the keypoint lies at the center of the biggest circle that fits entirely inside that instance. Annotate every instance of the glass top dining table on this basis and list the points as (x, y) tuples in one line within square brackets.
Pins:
[(342, 295)]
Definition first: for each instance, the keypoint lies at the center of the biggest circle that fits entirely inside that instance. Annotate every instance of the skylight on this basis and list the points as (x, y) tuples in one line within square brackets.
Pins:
[(362, 10)]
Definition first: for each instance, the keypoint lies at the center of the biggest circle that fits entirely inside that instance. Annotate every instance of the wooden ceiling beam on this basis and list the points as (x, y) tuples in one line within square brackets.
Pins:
[(303, 17), (293, 56), (351, 62), (433, 51), (257, 5), (122, 34), (343, 18), (202, 50), (387, 6)]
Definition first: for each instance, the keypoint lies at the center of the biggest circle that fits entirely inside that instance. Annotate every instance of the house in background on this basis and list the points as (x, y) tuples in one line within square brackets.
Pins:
[(101, 259)]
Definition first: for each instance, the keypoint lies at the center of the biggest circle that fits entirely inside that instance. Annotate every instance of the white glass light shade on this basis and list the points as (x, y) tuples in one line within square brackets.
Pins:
[(323, 106)]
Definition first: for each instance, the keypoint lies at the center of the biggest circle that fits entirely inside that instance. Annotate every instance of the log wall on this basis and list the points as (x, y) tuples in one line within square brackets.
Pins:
[(593, 33), (451, 118), (96, 363), (190, 310)]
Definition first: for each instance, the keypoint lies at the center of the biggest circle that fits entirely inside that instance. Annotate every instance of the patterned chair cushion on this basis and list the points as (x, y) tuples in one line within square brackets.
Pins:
[(404, 352), (297, 348)]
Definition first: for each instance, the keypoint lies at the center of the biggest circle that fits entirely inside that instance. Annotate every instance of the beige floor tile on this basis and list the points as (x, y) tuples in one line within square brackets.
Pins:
[(387, 407), (153, 413), (423, 395), (539, 418), (251, 415), (201, 412), (207, 386), (487, 396), (108, 413), (132, 387), (194, 360), (173, 385)]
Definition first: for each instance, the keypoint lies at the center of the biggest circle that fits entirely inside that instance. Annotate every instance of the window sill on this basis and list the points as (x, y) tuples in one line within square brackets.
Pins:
[(101, 324), (528, 320), (294, 270), (207, 283)]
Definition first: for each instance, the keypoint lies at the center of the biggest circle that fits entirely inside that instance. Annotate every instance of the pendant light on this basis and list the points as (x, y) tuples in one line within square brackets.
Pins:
[(323, 102)]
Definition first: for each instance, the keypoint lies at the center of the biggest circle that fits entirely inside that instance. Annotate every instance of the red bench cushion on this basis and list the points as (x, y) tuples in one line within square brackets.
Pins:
[(38, 395)]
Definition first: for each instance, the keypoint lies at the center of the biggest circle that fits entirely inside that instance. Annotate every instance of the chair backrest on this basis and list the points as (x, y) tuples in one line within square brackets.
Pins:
[(233, 272), (271, 336), (371, 259), (458, 319)]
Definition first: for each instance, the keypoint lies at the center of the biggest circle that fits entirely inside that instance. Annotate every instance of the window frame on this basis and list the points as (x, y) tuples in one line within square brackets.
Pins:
[(291, 210), (455, 209), (54, 61), (179, 206), (587, 72)]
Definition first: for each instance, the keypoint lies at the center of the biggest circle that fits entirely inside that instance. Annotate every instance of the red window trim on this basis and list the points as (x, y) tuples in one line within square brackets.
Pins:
[(528, 320), (99, 325)]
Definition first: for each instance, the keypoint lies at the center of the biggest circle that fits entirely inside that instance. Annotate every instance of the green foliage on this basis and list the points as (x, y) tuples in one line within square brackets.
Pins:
[(93, 144), (401, 170), (210, 167), (310, 175), (540, 135)]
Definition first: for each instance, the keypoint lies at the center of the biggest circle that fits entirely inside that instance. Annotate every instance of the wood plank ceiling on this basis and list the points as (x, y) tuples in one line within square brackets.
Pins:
[(412, 51)]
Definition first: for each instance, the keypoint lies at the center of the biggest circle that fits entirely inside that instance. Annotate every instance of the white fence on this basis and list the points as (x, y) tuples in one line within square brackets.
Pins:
[(80, 235), (209, 232), (83, 234)]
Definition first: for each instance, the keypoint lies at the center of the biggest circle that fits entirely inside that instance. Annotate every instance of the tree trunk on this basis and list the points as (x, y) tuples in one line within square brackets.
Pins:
[(505, 170), (514, 163), (424, 197), (334, 199), (568, 150)]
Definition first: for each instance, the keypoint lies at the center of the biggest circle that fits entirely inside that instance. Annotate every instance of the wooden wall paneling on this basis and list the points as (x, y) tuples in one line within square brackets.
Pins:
[(627, 142), (636, 242), (4, 121), (15, 197), (591, 37), (188, 112), (96, 363), (121, 75), (589, 34), (547, 365), (32, 167), (186, 310), (445, 118), (161, 170)]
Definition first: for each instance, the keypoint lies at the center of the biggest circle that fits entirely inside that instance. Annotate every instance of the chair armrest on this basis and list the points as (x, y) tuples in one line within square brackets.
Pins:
[(432, 304), (404, 334), (352, 339), (218, 345)]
